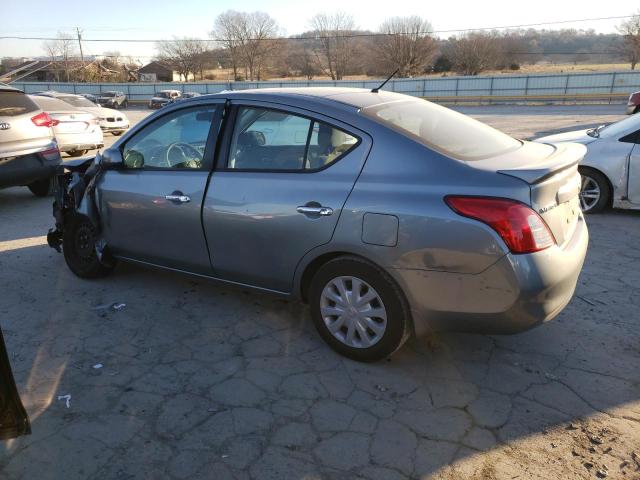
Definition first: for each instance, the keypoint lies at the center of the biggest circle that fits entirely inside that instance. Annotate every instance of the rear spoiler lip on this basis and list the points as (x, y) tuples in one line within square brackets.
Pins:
[(573, 153), (537, 175)]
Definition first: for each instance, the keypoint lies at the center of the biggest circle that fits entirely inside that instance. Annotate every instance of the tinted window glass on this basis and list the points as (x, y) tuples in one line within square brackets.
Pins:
[(15, 103), (266, 139), (442, 129), (49, 104), (176, 140), (77, 101)]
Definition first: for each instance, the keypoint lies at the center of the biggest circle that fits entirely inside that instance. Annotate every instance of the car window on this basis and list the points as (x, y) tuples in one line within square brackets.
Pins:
[(173, 141), (15, 103), (265, 139), (442, 129), (623, 127)]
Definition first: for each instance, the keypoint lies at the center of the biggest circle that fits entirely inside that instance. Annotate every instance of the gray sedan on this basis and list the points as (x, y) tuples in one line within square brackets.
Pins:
[(389, 215), (611, 168)]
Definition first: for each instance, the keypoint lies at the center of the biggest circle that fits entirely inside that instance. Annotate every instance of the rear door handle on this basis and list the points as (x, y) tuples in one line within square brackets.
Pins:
[(178, 198), (322, 211)]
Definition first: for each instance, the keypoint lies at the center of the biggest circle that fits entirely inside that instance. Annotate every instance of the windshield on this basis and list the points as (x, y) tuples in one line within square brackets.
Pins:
[(449, 132), (78, 101), (108, 94), (163, 95), (621, 128)]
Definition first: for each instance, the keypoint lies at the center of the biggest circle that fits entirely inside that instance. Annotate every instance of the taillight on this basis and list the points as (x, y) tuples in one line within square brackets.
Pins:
[(521, 228), (43, 120)]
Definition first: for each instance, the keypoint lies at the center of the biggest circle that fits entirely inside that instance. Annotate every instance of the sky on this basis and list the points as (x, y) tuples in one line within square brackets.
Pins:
[(159, 19)]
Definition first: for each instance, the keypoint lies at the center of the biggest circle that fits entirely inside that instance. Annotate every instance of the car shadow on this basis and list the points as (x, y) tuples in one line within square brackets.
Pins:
[(201, 380)]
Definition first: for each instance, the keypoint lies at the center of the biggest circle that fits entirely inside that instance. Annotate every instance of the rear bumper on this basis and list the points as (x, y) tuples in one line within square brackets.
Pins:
[(111, 127), (513, 295), (80, 146), (22, 170)]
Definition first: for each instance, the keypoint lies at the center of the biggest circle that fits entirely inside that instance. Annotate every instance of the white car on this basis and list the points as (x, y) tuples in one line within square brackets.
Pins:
[(76, 131), (112, 121), (611, 168)]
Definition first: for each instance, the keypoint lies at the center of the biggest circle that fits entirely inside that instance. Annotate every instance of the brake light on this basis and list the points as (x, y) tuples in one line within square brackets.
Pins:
[(43, 120), (521, 228)]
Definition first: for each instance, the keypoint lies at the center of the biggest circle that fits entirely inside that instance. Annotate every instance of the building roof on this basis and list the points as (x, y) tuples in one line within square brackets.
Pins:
[(154, 66)]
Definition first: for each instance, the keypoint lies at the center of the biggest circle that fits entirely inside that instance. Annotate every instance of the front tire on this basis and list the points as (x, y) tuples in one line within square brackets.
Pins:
[(78, 247), (42, 188), (358, 309), (117, 134), (595, 191)]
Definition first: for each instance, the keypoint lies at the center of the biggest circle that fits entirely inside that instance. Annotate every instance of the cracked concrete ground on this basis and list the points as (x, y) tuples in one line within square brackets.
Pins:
[(201, 381)]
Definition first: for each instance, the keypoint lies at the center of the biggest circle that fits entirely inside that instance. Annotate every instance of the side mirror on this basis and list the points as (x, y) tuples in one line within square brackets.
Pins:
[(111, 158)]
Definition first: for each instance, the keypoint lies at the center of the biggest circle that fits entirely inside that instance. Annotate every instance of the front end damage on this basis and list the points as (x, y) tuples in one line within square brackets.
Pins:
[(75, 194)]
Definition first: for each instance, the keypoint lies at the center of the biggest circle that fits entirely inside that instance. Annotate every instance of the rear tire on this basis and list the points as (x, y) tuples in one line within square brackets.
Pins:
[(78, 247), (595, 191), (42, 188), (376, 335), (76, 153), (117, 134)]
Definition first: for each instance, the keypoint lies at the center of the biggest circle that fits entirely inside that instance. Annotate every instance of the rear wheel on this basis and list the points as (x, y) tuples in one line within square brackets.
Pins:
[(42, 188), (358, 309), (117, 134), (76, 153), (595, 192), (125, 104), (79, 248)]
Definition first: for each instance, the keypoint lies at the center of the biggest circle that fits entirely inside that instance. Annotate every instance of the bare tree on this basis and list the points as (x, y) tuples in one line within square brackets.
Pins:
[(335, 47), (630, 31), (248, 37), (475, 52), (61, 49), (301, 59), (406, 45), (183, 54), (226, 30)]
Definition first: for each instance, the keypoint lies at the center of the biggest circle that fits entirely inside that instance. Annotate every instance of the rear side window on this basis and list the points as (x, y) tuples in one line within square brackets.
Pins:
[(13, 104), (446, 131), (49, 104), (265, 139)]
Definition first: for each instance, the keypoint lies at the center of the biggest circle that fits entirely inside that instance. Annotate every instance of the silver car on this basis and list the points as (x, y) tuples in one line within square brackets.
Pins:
[(611, 168), (389, 215), (29, 153), (75, 130)]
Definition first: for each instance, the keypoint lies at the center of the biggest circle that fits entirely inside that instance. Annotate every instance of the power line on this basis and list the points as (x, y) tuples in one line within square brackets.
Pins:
[(346, 35)]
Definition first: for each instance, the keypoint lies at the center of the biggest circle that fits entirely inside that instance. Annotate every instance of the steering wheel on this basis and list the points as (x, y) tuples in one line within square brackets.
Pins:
[(189, 155)]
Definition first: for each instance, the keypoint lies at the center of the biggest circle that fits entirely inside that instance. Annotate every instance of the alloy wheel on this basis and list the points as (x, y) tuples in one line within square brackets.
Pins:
[(589, 193), (353, 312)]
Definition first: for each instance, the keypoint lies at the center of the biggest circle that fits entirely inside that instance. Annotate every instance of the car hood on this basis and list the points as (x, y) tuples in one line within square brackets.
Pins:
[(575, 136), (104, 112)]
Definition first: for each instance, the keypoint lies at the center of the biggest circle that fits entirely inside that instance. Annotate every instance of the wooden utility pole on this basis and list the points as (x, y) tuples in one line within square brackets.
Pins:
[(80, 44)]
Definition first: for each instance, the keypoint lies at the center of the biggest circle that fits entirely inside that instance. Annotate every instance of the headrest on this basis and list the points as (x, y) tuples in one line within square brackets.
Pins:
[(251, 139)]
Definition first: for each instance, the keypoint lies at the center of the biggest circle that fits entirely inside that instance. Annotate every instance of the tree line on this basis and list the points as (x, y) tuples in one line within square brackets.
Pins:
[(250, 46)]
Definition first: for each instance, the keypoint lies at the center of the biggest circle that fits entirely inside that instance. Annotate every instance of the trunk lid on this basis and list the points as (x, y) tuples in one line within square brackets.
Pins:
[(551, 171), (73, 122)]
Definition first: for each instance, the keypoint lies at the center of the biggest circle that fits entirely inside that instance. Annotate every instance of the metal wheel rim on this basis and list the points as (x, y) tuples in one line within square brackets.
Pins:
[(353, 312), (589, 193)]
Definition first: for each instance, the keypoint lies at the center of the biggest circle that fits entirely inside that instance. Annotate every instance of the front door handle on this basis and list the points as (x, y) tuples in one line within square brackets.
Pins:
[(178, 197), (322, 211)]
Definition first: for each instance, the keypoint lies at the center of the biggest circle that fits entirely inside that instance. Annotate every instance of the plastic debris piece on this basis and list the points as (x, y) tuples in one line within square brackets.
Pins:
[(115, 306), (118, 306), (98, 366), (66, 398)]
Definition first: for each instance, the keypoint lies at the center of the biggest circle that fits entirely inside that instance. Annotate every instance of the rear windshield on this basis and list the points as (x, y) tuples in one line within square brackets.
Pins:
[(77, 101), (49, 104), (442, 129), (15, 103)]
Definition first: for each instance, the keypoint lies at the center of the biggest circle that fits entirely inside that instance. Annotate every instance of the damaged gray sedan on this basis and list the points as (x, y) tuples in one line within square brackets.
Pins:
[(389, 215)]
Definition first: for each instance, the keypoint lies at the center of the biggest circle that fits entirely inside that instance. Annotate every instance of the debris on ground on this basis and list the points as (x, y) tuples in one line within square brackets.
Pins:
[(98, 366), (381, 388), (115, 306), (66, 398)]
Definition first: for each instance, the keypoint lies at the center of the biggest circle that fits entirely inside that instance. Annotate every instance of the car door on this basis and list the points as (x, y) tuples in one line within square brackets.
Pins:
[(13, 417), (151, 208), (281, 182)]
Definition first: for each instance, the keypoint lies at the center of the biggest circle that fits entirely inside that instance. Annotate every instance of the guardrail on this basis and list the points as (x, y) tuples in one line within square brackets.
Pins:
[(609, 85)]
